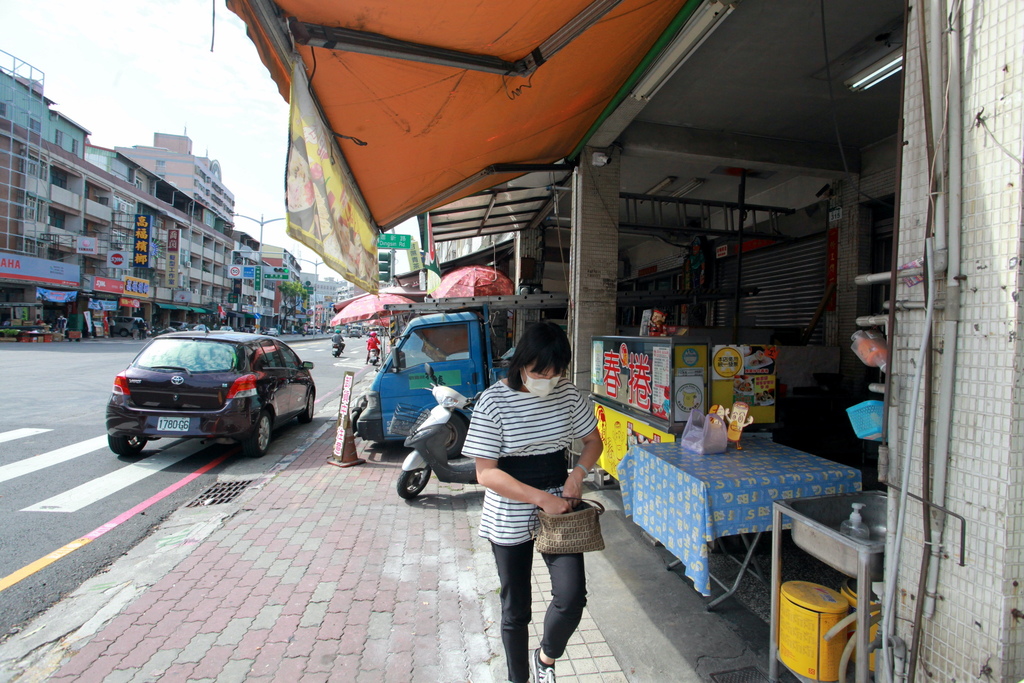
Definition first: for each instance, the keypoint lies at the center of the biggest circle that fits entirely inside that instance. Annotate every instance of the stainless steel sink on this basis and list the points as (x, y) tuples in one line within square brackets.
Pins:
[(816, 524)]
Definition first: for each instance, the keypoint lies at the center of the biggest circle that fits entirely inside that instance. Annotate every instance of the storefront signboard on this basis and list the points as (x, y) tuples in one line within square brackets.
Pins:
[(173, 240), (182, 296), (142, 237), (43, 271), (54, 296), (87, 245), (100, 305), (105, 284), (129, 303), (118, 259), (619, 431), (136, 287)]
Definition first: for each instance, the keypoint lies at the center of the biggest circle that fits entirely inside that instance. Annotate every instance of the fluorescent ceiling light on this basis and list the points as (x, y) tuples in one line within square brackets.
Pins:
[(698, 27), (687, 188), (662, 184), (876, 73)]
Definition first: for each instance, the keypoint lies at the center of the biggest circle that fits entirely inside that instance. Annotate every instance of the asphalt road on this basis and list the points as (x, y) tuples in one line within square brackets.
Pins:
[(60, 484)]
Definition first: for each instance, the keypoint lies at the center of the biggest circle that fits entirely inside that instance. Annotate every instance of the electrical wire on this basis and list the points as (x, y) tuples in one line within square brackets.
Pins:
[(835, 112), (979, 120), (312, 95)]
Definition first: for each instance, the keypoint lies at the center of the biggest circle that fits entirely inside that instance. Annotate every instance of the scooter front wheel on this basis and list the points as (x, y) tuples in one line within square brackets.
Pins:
[(411, 484)]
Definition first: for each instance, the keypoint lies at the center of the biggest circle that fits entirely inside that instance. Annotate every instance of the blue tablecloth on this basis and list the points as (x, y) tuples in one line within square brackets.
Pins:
[(685, 500)]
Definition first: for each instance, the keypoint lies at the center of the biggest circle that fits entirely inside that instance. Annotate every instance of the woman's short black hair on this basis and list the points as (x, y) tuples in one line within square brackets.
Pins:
[(543, 345)]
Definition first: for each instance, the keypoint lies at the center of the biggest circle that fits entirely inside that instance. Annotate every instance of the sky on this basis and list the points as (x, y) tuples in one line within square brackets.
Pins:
[(125, 70)]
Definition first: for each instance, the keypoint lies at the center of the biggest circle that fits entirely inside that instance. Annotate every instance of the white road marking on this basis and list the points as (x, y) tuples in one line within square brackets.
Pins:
[(39, 462), (21, 433), (101, 487)]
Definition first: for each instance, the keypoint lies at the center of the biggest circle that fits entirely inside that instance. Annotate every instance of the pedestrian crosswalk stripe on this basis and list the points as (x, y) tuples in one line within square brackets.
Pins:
[(20, 433), (39, 462), (109, 484), (45, 561)]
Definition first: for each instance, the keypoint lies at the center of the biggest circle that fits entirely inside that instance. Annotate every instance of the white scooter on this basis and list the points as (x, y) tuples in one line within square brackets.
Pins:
[(429, 441)]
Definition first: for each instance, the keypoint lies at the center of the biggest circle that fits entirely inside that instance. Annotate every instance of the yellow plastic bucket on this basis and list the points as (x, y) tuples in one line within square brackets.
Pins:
[(849, 591), (806, 612)]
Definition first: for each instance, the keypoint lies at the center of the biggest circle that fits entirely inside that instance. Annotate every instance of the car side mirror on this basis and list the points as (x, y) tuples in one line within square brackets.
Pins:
[(397, 360), (307, 364)]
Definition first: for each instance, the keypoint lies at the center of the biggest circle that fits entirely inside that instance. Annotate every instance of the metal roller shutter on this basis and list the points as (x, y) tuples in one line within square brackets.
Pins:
[(791, 278)]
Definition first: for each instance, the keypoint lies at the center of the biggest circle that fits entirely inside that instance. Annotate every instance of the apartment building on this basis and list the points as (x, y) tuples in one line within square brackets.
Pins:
[(91, 233)]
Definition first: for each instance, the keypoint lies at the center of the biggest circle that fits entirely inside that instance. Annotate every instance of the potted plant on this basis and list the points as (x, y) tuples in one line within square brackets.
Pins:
[(8, 335)]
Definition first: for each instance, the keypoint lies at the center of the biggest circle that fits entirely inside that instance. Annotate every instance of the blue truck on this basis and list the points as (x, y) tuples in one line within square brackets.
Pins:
[(457, 343)]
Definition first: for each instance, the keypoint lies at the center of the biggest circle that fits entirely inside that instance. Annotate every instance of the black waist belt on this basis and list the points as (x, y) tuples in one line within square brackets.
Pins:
[(542, 471)]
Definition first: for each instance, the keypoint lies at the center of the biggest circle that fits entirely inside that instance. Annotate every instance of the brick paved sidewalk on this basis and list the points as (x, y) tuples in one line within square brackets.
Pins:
[(325, 574)]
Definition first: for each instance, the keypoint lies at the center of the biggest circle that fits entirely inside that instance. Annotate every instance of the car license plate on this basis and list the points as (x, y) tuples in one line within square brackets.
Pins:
[(173, 424)]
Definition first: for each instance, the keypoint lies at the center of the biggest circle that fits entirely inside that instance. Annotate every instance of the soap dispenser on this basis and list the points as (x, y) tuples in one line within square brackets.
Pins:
[(854, 527)]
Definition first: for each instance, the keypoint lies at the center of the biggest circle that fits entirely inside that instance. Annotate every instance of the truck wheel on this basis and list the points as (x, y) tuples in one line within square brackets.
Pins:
[(411, 484), (457, 428)]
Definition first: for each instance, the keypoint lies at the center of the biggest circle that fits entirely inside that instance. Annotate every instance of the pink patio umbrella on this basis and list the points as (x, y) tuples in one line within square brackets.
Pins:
[(369, 307), (472, 281)]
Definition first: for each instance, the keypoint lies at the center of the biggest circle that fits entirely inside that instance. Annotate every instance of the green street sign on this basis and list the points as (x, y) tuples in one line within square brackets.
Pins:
[(258, 279), (389, 240)]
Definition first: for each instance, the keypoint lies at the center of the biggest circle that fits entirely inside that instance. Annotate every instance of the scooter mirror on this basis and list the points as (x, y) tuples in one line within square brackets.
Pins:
[(430, 373)]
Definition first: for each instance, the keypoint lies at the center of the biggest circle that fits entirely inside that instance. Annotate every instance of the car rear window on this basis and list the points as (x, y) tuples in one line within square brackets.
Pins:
[(189, 354)]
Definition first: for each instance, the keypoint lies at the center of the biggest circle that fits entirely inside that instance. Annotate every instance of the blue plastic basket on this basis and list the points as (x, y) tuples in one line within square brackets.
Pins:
[(866, 419)]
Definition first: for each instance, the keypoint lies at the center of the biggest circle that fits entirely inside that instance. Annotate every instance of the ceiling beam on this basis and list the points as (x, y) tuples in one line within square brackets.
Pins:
[(736, 149)]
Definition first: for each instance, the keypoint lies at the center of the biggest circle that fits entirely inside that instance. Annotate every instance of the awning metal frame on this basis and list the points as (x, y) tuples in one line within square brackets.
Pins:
[(364, 42)]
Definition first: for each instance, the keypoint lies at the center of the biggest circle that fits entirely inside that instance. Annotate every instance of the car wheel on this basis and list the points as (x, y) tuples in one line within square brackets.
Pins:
[(256, 444), (411, 484), (306, 416), (124, 332), (126, 446)]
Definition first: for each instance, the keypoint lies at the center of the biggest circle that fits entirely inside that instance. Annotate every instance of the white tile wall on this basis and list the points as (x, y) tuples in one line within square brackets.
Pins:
[(973, 626)]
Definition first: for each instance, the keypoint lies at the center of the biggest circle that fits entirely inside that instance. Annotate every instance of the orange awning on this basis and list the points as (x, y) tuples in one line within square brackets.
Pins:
[(438, 132)]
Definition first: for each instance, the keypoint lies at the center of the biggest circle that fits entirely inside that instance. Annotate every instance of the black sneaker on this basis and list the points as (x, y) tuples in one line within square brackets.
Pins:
[(542, 673)]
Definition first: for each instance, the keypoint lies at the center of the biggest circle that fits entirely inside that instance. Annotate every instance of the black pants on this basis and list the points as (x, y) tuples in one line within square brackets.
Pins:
[(568, 598)]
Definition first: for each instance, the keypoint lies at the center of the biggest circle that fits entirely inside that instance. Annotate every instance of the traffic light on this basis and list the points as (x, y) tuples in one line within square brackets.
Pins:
[(385, 265)]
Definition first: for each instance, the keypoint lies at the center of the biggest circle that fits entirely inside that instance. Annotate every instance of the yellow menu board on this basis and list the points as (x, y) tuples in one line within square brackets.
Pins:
[(620, 431)]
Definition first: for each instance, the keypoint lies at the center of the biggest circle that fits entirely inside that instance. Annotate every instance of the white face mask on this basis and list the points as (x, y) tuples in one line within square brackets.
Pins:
[(539, 387)]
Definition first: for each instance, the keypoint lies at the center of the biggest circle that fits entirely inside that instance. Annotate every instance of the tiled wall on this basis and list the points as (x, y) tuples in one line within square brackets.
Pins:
[(974, 635), (594, 258)]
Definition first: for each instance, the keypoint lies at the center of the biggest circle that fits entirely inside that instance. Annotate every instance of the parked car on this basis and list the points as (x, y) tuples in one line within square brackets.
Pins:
[(273, 332), (122, 325), (216, 385)]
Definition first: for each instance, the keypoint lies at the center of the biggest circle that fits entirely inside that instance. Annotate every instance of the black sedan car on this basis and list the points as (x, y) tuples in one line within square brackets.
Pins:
[(228, 386)]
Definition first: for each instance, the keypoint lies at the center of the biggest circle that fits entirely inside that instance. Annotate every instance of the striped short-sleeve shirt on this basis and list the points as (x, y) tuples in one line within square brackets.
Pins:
[(507, 424)]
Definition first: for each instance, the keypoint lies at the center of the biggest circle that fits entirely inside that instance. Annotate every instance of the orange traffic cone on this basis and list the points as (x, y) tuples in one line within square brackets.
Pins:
[(345, 447)]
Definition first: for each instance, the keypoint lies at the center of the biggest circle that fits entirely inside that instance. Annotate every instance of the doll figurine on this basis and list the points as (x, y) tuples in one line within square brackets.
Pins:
[(738, 419)]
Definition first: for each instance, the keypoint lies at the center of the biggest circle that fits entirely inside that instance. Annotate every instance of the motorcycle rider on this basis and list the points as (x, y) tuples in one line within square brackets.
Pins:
[(372, 344), (337, 340)]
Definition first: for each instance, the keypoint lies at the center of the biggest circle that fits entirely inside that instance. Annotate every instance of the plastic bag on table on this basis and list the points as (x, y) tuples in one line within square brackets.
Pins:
[(704, 434)]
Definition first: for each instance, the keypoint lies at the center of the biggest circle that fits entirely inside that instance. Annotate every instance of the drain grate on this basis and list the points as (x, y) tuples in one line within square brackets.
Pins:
[(220, 493), (749, 674)]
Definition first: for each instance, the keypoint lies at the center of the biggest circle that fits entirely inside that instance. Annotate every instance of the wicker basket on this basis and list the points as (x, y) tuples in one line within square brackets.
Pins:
[(406, 419)]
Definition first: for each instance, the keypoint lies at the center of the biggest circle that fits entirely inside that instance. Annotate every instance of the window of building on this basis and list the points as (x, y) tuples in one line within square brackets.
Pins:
[(120, 239), (74, 146), (58, 177), (3, 110), (56, 218), (34, 125), (161, 165), (58, 137)]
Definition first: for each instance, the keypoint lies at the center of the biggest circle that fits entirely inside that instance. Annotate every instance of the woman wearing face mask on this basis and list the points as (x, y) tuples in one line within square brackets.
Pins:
[(519, 435)]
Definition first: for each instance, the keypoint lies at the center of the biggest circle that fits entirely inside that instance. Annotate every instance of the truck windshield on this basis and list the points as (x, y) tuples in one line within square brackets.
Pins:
[(436, 344)]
